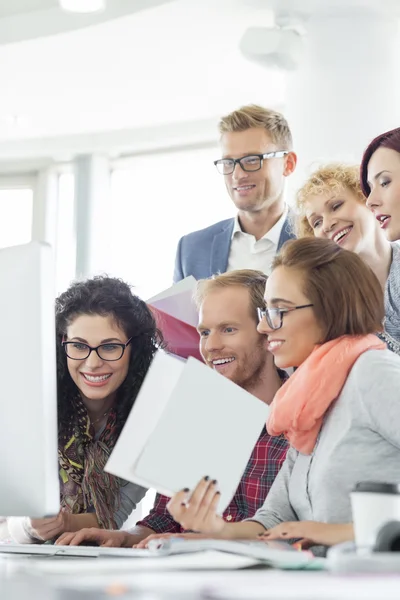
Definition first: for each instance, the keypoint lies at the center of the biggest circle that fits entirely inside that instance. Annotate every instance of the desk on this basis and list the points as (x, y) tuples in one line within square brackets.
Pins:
[(19, 582)]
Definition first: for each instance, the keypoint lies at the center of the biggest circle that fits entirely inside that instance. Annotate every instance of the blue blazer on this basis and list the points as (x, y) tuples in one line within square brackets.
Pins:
[(204, 253)]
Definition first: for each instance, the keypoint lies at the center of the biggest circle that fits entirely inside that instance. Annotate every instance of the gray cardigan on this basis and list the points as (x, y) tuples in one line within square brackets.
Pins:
[(359, 441), (392, 295)]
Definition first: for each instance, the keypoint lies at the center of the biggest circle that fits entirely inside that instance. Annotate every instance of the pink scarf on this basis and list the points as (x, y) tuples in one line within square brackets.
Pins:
[(300, 404)]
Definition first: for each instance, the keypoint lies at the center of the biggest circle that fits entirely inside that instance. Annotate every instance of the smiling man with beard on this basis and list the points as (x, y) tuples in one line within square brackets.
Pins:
[(230, 344)]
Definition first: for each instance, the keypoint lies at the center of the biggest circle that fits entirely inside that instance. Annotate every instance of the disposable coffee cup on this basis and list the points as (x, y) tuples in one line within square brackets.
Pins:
[(373, 505)]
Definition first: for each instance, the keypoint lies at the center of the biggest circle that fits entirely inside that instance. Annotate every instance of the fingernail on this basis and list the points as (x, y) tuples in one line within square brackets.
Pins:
[(218, 492), (183, 503), (206, 478), (186, 490), (214, 481)]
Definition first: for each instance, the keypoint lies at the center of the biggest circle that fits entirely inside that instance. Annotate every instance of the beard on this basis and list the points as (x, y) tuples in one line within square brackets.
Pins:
[(251, 371)]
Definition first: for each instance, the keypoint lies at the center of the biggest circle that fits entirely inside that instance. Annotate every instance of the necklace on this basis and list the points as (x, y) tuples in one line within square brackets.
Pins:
[(391, 343), (100, 417)]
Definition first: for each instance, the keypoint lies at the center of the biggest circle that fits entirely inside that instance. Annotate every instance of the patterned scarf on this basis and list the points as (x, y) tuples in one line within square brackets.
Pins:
[(299, 406), (85, 486)]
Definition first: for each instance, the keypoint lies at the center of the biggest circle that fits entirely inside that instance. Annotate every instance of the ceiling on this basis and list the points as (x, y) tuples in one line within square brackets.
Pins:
[(327, 7), (177, 62), (15, 7), (28, 19), (153, 64)]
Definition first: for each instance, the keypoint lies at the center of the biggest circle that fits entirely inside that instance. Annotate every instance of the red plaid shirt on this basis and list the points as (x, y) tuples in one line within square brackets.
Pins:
[(265, 461)]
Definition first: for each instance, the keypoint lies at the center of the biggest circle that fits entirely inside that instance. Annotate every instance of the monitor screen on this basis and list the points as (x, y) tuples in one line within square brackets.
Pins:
[(28, 396)]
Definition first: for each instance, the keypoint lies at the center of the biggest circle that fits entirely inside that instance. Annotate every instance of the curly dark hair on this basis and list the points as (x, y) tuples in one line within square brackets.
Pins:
[(106, 296)]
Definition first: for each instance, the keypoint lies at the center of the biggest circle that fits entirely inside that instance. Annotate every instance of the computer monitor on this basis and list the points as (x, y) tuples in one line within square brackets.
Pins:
[(29, 484)]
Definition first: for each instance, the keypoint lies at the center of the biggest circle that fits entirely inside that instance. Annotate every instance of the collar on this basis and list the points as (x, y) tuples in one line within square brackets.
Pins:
[(272, 235)]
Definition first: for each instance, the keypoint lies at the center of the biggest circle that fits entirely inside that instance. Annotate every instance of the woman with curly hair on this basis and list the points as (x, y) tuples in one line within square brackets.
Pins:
[(106, 339), (331, 205)]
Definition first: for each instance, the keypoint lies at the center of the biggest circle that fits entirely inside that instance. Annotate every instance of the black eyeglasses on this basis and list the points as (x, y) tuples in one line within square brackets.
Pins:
[(252, 162), (274, 316), (81, 351)]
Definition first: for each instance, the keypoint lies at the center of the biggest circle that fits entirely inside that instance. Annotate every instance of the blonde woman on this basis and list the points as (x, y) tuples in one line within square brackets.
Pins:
[(331, 205)]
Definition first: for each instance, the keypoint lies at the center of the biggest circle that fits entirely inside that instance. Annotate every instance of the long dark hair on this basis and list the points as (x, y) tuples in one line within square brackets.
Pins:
[(106, 296)]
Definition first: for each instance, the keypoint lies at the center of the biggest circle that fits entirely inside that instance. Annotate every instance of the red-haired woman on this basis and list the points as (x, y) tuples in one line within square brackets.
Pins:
[(380, 181)]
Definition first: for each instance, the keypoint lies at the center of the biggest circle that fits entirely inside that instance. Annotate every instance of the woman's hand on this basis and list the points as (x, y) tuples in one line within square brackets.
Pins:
[(103, 537), (197, 512), (47, 529), (165, 536), (311, 533)]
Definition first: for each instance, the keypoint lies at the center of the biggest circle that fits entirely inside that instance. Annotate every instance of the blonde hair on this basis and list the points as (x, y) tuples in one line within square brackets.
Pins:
[(327, 180), (255, 116), (252, 280)]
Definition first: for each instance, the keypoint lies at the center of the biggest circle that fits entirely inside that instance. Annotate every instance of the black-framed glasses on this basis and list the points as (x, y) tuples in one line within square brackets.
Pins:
[(81, 351), (274, 316), (252, 162)]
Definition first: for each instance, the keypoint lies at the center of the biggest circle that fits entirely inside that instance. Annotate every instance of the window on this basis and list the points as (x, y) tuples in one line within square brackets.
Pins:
[(16, 210), (155, 199), (66, 243)]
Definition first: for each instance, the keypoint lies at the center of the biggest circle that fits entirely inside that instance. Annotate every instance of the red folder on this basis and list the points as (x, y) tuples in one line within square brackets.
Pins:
[(181, 338)]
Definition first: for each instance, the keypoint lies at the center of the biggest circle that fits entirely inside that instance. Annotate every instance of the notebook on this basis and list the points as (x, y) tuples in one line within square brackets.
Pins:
[(187, 422)]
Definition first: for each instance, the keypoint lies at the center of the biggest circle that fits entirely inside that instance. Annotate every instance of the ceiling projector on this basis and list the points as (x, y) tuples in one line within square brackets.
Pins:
[(272, 47)]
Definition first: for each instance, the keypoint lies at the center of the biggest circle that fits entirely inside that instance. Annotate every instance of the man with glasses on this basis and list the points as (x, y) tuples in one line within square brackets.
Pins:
[(257, 156)]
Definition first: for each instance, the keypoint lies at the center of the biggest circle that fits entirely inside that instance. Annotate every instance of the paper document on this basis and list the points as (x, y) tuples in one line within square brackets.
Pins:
[(176, 316), (177, 301), (188, 421), (181, 339)]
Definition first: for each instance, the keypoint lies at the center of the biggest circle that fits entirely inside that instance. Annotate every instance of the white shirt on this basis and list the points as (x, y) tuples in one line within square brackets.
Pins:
[(248, 253)]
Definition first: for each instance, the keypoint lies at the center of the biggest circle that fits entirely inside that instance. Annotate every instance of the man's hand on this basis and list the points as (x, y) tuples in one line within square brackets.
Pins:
[(311, 533), (47, 529), (164, 536), (103, 537), (198, 512)]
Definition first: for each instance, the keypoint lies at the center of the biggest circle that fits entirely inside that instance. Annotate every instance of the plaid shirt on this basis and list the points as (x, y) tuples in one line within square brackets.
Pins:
[(265, 461)]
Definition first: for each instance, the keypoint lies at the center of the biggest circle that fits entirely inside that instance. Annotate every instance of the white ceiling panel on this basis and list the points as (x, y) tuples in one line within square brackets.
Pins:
[(17, 7), (29, 19), (174, 63)]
